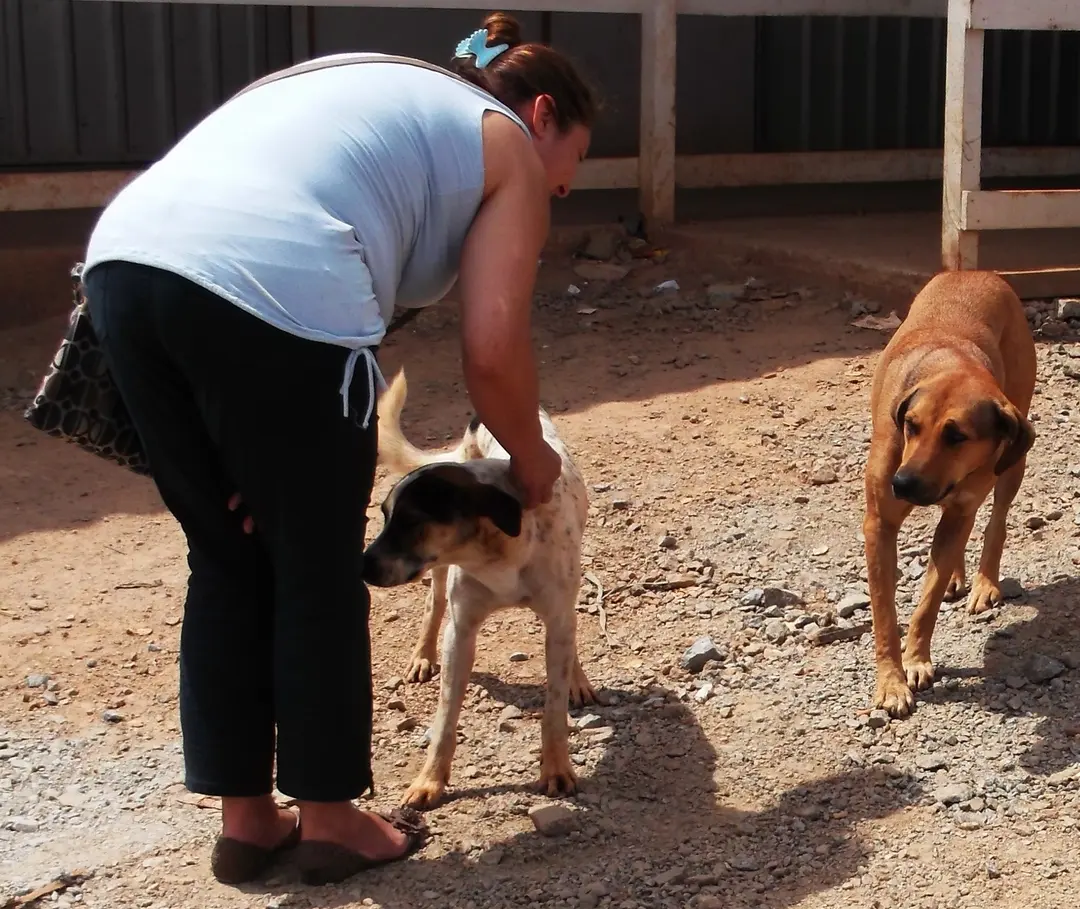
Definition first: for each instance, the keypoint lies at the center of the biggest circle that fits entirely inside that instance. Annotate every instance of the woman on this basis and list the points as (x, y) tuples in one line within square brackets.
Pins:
[(240, 287)]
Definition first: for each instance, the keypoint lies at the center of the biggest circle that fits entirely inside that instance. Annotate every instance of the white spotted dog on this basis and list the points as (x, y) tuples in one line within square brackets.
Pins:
[(456, 513)]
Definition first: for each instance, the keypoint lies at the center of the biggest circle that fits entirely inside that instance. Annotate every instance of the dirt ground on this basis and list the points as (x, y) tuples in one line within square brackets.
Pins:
[(722, 428)]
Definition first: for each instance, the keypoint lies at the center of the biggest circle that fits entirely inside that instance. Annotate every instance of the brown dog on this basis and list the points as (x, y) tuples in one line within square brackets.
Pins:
[(950, 400)]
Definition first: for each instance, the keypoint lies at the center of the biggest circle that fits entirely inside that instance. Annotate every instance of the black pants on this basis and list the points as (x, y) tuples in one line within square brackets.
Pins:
[(275, 634)]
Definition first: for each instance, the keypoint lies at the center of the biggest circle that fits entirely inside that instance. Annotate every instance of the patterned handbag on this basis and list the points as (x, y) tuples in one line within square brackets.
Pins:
[(78, 400)]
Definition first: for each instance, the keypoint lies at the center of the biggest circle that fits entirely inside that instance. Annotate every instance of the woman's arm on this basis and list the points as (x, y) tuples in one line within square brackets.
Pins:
[(495, 285)]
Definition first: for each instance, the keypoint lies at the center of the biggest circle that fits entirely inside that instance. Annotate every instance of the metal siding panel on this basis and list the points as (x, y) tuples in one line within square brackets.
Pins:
[(779, 75), (49, 75), (196, 49), (714, 99), (13, 144), (151, 107), (99, 81), (607, 48)]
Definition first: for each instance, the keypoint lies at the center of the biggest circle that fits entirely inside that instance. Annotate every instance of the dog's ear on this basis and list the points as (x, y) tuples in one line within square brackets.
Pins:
[(1015, 429), (901, 409), (501, 508)]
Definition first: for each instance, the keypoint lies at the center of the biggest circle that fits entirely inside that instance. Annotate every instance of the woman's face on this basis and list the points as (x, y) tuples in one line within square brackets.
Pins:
[(561, 153)]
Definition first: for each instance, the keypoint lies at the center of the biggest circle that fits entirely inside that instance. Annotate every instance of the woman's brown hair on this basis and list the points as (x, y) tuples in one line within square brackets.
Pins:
[(528, 69)]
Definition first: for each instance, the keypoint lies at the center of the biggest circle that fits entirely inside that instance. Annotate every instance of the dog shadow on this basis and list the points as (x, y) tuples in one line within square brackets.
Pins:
[(1010, 684), (656, 824)]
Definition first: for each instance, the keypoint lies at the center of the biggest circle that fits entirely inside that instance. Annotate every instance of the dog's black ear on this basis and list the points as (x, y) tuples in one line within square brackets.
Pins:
[(1014, 428), (900, 413), (501, 508)]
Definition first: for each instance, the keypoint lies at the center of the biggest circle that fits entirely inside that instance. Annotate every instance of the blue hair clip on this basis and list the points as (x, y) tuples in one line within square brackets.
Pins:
[(476, 46)]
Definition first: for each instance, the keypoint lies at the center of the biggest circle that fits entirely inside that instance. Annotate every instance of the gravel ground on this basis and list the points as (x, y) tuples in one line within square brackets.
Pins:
[(736, 761)]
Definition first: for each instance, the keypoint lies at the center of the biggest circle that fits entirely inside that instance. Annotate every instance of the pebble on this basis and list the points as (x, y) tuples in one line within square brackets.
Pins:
[(931, 762), (823, 476), (510, 712), (851, 603), (954, 794), (878, 719), (37, 680), (113, 716), (766, 597), (776, 631), (518, 657), (1011, 589), (702, 652), (745, 862), (552, 820), (23, 825), (1040, 669), (1068, 308), (590, 721)]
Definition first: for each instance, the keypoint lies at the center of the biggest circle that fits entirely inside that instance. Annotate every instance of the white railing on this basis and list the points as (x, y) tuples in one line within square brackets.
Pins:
[(657, 170), (966, 207)]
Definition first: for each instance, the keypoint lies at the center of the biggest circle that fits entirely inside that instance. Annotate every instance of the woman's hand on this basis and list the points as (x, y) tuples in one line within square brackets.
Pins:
[(498, 270), (248, 522), (535, 474)]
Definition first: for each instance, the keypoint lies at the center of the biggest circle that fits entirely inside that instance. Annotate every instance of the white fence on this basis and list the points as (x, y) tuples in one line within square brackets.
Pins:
[(657, 171), (967, 208)]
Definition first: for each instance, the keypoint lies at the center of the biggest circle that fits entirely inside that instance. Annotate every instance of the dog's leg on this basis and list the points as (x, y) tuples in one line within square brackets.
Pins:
[(458, 654), (884, 515), (947, 551), (986, 591), (557, 775), (581, 689), (424, 660)]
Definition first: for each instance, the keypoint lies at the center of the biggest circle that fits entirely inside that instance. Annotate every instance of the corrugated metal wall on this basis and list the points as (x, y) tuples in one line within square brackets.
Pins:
[(100, 84)]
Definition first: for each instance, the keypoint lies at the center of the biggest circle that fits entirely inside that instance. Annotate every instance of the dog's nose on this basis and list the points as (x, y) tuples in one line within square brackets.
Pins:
[(906, 485)]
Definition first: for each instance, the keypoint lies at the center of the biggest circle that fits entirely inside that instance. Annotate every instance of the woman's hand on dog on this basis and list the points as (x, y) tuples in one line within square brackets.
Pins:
[(536, 473)]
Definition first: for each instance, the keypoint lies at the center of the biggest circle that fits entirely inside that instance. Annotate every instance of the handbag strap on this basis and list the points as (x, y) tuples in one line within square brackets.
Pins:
[(308, 66)]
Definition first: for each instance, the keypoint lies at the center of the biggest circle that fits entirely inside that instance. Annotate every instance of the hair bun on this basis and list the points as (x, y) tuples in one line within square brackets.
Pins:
[(502, 28)]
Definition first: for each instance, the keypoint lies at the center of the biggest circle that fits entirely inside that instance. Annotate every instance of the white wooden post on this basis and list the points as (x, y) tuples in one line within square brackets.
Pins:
[(656, 161), (963, 134)]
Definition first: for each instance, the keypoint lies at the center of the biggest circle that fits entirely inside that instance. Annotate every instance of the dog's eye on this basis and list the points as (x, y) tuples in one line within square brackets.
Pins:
[(911, 427), (951, 435)]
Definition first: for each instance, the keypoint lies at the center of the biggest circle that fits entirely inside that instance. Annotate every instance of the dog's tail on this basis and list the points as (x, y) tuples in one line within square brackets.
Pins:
[(396, 452)]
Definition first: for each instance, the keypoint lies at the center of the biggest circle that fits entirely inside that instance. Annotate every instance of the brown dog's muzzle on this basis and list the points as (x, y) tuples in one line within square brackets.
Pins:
[(908, 486)]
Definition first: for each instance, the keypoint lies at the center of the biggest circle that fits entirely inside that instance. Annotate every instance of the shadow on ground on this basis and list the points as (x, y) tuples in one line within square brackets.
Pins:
[(654, 830), (1014, 655)]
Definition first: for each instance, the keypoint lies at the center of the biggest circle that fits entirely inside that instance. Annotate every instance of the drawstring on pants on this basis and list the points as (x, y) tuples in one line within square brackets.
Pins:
[(376, 382)]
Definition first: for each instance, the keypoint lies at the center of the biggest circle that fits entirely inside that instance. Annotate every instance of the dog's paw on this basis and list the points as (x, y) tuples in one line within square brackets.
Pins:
[(425, 792), (557, 781), (581, 690), (956, 587), (985, 595), (894, 695), (421, 669), (920, 674)]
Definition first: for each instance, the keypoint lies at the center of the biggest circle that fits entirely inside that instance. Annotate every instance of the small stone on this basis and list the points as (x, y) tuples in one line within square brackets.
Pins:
[(931, 762), (767, 597), (601, 271), (394, 684), (1064, 776), (852, 603), (747, 863), (1071, 659), (776, 631), (37, 680), (878, 719), (726, 713), (1035, 522), (1011, 589), (668, 542), (113, 716), (552, 820), (704, 693), (510, 712), (823, 476), (1040, 669), (992, 871), (590, 721), (702, 652), (1068, 308), (407, 724), (492, 856), (518, 657), (71, 797), (396, 704), (23, 825), (954, 794), (1015, 681)]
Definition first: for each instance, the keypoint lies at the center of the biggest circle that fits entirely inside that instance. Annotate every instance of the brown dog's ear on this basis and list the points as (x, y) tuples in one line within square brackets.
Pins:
[(501, 508), (1017, 430), (900, 413)]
